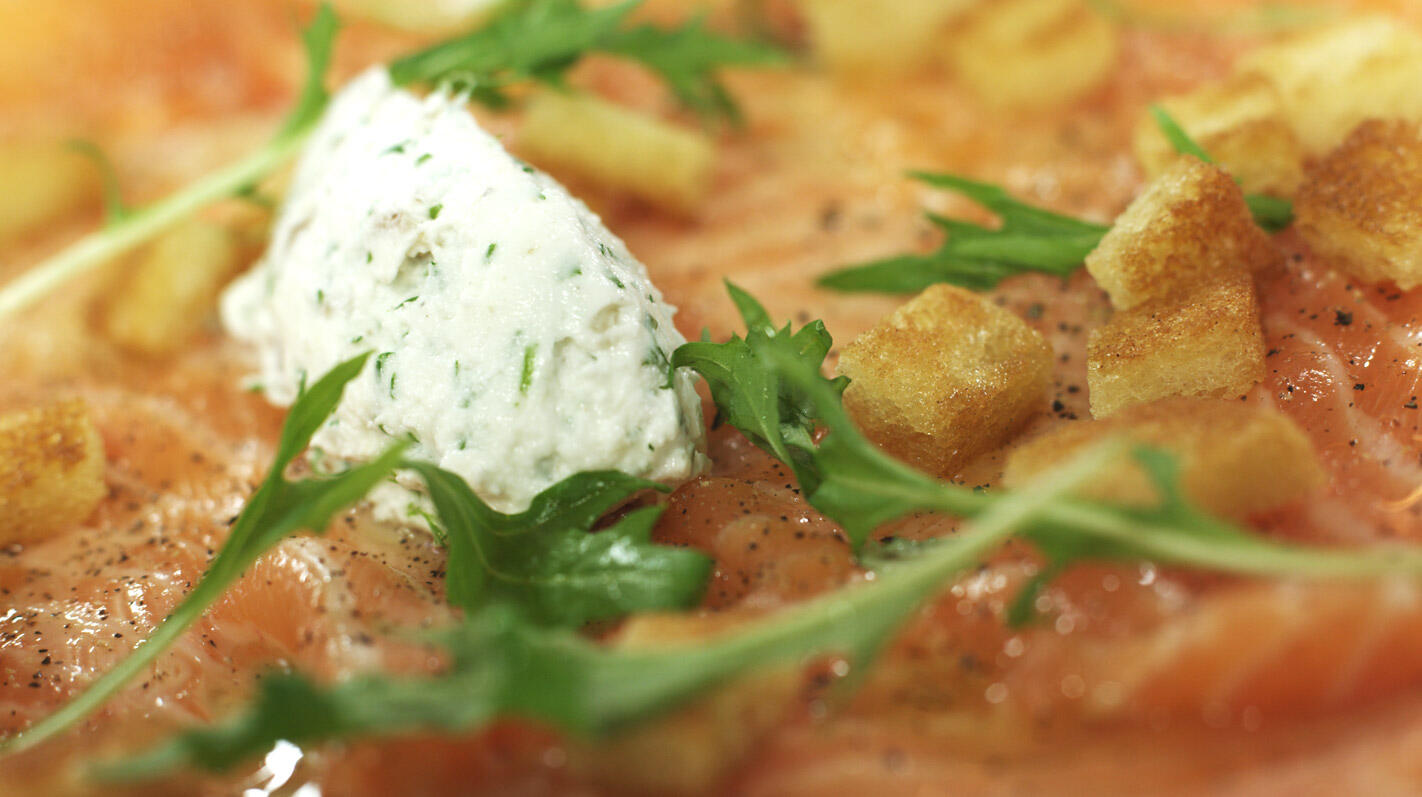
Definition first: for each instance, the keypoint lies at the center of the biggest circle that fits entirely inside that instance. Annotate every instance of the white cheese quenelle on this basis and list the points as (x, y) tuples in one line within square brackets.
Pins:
[(515, 341)]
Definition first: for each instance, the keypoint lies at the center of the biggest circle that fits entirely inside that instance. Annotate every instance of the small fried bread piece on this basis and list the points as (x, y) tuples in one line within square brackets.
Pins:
[(854, 37), (944, 378), (51, 470), (619, 148), (1235, 459), (1332, 78), (1241, 123), (1033, 53), (42, 180), (1362, 205), (1206, 342), (162, 301), (1190, 227)]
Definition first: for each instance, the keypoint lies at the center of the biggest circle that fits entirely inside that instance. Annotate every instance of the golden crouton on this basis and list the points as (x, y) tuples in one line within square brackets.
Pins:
[(1204, 343), (619, 148), (878, 36), (1189, 227), (1333, 78), (944, 378), (422, 16), (690, 750), (1241, 123), (1033, 53), (51, 470), (1234, 459), (42, 181), (163, 298), (1361, 207)]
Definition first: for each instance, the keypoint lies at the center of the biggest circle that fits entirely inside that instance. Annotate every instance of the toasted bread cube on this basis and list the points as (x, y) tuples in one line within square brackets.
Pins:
[(1241, 123), (691, 750), (1189, 227), (1332, 78), (161, 302), (944, 378), (422, 16), (878, 36), (1206, 343), (619, 148), (1362, 205), (1033, 53), (1235, 460), (43, 180), (51, 470)]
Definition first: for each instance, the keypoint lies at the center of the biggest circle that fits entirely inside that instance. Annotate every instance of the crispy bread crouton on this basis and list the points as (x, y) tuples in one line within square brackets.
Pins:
[(944, 378), (51, 470), (1234, 459), (1033, 53), (1332, 78), (1189, 227), (42, 180), (618, 148), (875, 36), (1361, 207), (161, 302), (1241, 123), (1205, 343)]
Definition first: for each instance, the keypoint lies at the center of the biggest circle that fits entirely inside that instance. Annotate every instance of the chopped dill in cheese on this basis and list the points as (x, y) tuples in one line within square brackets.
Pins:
[(517, 340)]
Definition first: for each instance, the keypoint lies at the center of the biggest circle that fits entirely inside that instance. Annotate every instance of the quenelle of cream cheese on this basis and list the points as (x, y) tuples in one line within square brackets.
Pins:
[(515, 341)]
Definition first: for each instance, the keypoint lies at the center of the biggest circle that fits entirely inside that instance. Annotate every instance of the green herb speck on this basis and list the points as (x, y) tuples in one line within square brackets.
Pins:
[(434, 211), (489, 253), (526, 379)]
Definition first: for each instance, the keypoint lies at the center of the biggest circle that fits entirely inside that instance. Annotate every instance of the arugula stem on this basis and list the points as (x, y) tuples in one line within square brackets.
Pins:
[(1261, 558), (141, 225), (854, 621)]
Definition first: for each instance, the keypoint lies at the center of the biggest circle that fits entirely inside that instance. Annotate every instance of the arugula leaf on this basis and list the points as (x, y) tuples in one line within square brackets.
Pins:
[(861, 487), (751, 397), (505, 666), (542, 39), (276, 510), (114, 208), (1176, 135), (1271, 213), (977, 257), (137, 225), (687, 59), (536, 40), (547, 561)]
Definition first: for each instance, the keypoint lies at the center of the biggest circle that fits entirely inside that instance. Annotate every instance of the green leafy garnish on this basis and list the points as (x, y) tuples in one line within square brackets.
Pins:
[(276, 510), (1270, 213), (1029, 239), (134, 226), (687, 59), (976, 257), (504, 666), (546, 561), (538, 40), (541, 40), (753, 398), (861, 487), (115, 210)]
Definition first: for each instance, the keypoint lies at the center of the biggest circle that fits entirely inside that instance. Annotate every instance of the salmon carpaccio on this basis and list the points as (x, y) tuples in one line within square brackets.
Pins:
[(1139, 678)]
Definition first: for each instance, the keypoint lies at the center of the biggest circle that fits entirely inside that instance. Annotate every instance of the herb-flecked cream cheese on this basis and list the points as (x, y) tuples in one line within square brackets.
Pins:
[(515, 341)]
